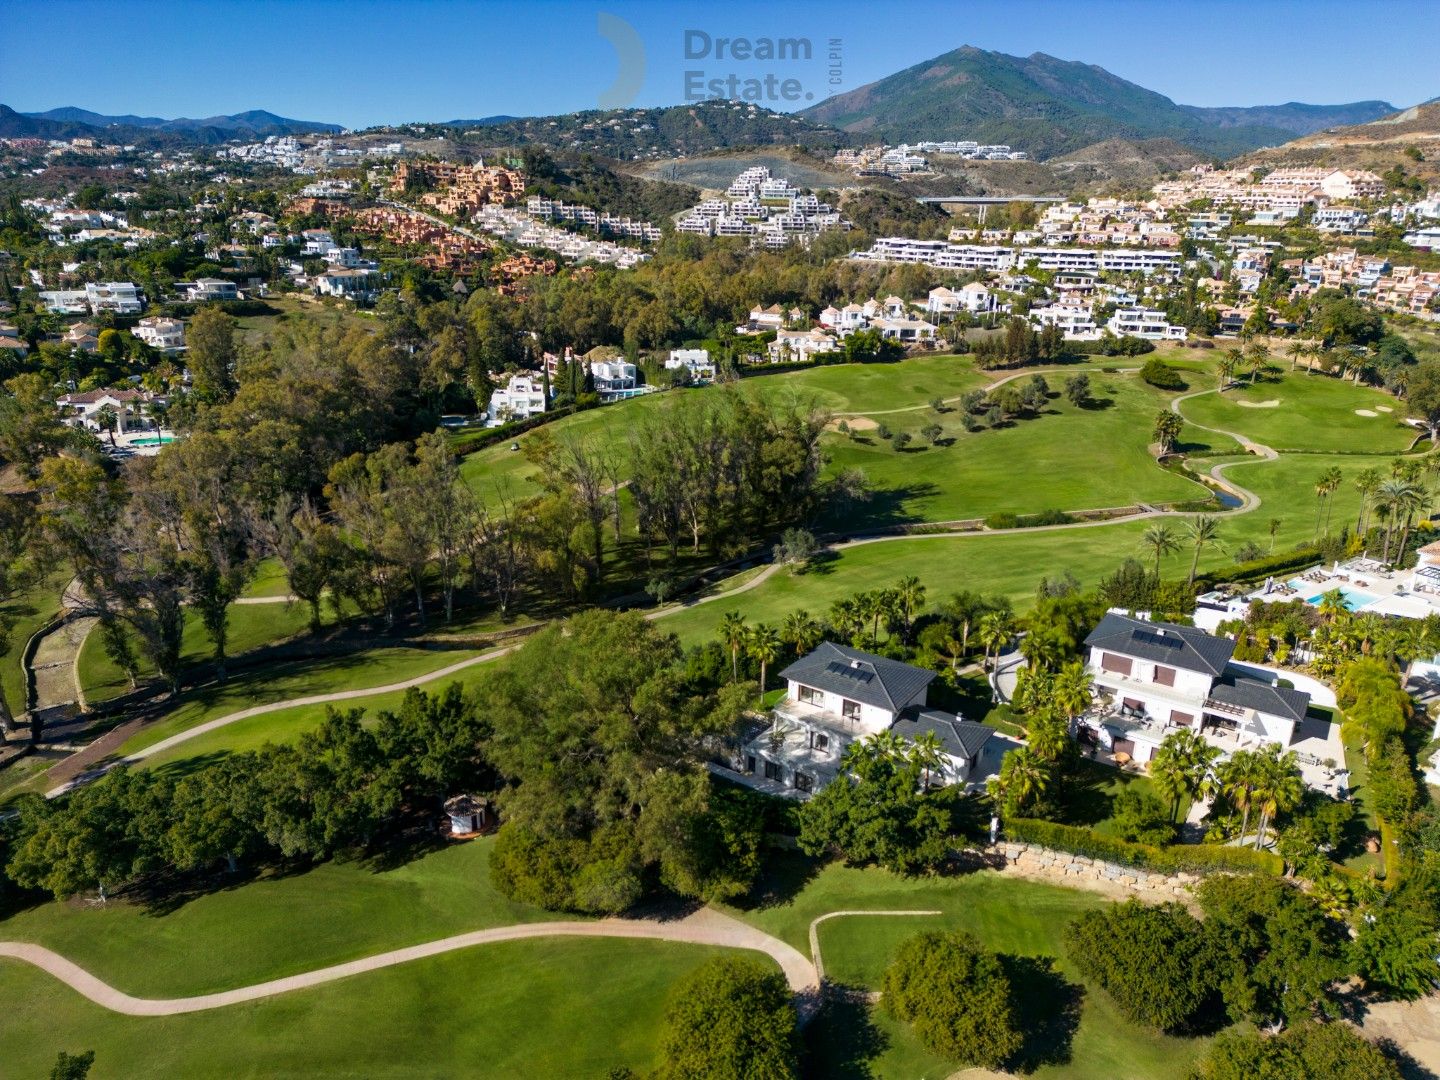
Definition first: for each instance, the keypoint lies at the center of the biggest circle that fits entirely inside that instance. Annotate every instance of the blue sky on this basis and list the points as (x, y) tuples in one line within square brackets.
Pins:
[(362, 62)]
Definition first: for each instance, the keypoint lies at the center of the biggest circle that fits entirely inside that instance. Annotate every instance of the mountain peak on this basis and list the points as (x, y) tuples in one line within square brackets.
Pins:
[(1050, 106)]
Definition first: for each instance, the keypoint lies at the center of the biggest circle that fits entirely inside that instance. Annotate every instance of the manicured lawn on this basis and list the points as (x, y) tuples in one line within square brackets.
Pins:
[(27, 611), (1359, 767), (1315, 412), (251, 626), (277, 925), (1064, 459), (1008, 915), (1286, 487), (378, 667), (269, 580), (561, 1007), (870, 388)]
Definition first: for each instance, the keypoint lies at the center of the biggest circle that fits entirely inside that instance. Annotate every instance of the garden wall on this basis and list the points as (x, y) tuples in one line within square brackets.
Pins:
[(1076, 870)]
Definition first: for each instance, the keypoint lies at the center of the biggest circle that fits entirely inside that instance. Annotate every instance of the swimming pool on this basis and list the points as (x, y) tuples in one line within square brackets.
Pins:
[(152, 440), (1354, 599)]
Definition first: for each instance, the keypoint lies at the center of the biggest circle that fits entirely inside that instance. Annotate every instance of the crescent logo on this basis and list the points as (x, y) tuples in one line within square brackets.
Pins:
[(630, 57)]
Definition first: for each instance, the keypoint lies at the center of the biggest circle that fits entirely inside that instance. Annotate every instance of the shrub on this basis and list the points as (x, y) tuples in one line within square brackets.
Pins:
[(1321, 1051), (1156, 962), (1295, 559), (1192, 858), (1160, 374), (1002, 520), (730, 1017), (956, 996), (1141, 817)]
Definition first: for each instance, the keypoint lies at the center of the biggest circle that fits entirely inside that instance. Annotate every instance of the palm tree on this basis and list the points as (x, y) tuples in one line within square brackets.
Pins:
[(763, 644), (1200, 531), (1022, 776), (800, 632), (994, 632), (1275, 524), (911, 596), (1416, 504), (1160, 540), (1237, 779), (1296, 350), (1227, 367), (1332, 479), (845, 617), (873, 606), (1396, 498), (1073, 689), (1257, 358), (733, 635), (928, 752), (1168, 771), (1234, 361), (107, 419), (1366, 484), (1279, 787)]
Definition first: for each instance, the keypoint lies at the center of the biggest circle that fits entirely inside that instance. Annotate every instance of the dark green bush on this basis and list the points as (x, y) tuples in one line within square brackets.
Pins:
[(1160, 374)]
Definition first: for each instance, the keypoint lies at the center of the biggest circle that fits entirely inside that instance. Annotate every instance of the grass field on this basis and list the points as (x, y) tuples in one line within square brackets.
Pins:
[(1312, 412), (26, 612), (1068, 458), (251, 627), (323, 675), (549, 1007), (1007, 914), (502, 1010)]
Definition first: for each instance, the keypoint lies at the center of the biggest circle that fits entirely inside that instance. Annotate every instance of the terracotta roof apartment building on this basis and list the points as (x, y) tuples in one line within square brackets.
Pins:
[(461, 190)]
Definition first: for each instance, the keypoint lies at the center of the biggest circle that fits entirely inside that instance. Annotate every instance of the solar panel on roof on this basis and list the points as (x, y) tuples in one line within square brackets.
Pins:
[(848, 672)]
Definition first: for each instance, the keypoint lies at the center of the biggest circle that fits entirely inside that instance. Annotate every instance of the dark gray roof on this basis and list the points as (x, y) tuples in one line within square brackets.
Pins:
[(859, 676), (1261, 696), (1162, 643), (961, 738)]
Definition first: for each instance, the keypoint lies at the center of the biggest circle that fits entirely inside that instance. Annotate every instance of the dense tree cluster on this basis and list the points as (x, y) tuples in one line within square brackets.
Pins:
[(346, 786), (728, 1018)]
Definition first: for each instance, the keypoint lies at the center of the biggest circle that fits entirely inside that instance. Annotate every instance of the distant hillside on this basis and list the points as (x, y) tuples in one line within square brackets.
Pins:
[(484, 121), (1122, 163), (1392, 142), (678, 130), (71, 122), (1051, 107)]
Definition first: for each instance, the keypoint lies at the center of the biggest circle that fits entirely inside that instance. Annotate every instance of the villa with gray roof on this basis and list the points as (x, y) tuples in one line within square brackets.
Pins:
[(837, 695), (1152, 678)]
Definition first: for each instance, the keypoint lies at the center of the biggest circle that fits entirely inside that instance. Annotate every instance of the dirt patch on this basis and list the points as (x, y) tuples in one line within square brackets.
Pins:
[(1366, 412), (1414, 1025), (855, 423), (1271, 404)]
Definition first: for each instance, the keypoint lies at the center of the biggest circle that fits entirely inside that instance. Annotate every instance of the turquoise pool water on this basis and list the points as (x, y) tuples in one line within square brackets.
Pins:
[(152, 440), (1354, 599)]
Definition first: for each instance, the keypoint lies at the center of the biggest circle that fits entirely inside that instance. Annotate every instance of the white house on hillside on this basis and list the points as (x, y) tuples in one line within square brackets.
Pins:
[(521, 398), (837, 695), (695, 361)]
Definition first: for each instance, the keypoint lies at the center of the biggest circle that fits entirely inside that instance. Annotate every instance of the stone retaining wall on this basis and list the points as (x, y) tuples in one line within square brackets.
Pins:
[(1073, 870)]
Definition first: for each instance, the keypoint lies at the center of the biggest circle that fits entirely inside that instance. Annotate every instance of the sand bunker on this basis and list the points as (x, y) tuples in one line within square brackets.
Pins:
[(1271, 404), (1366, 412), (856, 423), (1383, 408)]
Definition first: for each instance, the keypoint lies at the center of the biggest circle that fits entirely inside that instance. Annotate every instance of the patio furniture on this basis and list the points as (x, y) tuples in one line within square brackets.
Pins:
[(1122, 758)]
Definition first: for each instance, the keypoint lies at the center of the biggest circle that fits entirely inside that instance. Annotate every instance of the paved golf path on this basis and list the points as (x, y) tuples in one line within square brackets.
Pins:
[(704, 927)]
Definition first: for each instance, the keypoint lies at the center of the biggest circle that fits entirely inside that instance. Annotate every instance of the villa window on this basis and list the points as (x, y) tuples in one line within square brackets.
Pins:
[(810, 696), (804, 782), (1165, 676), (772, 771), (850, 710), (1118, 665), (819, 740)]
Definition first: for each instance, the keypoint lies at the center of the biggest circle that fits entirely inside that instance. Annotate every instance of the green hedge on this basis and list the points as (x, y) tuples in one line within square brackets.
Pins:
[(1171, 859), (467, 442), (1294, 559)]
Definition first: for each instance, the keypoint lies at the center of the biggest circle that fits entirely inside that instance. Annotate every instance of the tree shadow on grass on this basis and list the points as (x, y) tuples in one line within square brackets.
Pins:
[(842, 1041), (1098, 404), (1086, 800), (1049, 1010), (785, 876)]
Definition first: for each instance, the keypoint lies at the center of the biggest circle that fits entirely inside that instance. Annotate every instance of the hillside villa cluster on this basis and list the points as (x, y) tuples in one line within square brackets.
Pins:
[(909, 158), (769, 210)]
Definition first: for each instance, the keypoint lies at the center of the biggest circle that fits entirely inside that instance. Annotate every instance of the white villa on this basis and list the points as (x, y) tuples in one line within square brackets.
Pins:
[(974, 298), (82, 409), (167, 335), (695, 361), (121, 297), (207, 288), (346, 284), (1152, 678), (837, 695), (611, 375), (520, 399), (800, 345), (1145, 323)]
